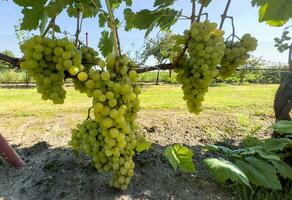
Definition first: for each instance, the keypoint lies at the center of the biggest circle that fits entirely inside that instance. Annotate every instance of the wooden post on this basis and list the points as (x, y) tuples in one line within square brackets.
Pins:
[(8, 153), (86, 39)]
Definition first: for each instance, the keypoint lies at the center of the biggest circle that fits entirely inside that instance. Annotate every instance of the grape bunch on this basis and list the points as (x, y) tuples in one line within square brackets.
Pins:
[(46, 60), (236, 54), (109, 139), (198, 68)]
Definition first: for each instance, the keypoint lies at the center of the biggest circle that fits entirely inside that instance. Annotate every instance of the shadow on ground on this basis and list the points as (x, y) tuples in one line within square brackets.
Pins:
[(55, 173)]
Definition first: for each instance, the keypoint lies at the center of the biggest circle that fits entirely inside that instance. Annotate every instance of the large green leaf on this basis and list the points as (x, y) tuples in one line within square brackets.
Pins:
[(55, 7), (276, 144), (283, 168), (180, 157), (274, 12), (259, 172), (147, 20), (31, 18), (106, 43), (224, 170), (44, 21), (283, 127)]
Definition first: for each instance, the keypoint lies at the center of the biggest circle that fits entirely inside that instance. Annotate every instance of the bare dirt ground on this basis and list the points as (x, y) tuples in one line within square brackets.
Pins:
[(52, 171)]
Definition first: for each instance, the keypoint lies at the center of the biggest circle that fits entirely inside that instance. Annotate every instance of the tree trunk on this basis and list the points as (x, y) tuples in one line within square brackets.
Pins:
[(8, 153)]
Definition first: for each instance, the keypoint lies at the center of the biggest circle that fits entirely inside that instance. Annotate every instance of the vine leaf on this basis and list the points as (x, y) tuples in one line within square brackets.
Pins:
[(147, 19), (180, 157), (106, 43), (259, 172), (163, 3), (274, 12), (142, 145), (31, 17), (224, 170)]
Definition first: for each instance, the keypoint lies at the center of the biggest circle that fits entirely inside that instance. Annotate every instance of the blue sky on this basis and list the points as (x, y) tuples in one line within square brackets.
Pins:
[(245, 18)]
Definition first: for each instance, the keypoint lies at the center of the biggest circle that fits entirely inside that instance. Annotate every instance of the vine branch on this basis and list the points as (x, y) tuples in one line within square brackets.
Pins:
[(182, 53), (113, 25), (13, 61), (224, 15), (77, 27), (50, 25), (201, 11)]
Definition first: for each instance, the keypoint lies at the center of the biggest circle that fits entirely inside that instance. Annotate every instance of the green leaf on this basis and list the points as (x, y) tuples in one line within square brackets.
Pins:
[(163, 3), (223, 170), (128, 2), (276, 144), (259, 172), (180, 157), (268, 155), (142, 145), (28, 3), (147, 19), (274, 12), (216, 148), (283, 168), (31, 18), (106, 43), (54, 8), (102, 19), (283, 127)]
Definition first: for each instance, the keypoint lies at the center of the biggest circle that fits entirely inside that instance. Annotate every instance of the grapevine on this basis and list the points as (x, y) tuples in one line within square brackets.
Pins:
[(236, 54), (109, 137)]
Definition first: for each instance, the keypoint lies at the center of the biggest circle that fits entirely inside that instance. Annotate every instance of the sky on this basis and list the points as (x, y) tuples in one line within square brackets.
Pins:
[(245, 19)]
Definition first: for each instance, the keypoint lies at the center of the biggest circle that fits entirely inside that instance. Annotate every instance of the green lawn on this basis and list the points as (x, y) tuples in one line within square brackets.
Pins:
[(26, 102)]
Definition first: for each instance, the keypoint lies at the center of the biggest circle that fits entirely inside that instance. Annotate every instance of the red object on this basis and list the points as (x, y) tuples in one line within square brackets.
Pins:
[(8, 153), (86, 39)]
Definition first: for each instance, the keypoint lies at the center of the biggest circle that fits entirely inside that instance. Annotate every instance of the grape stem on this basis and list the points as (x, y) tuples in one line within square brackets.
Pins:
[(88, 112), (224, 15), (78, 27), (113, 25), (50, 25), (182, 53), (201, 11)]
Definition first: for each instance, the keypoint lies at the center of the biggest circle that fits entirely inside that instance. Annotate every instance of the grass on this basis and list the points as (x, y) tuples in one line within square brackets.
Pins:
[(249, 99), (236, 110)]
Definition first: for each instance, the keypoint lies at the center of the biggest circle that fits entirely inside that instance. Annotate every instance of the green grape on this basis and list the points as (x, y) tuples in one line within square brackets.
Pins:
[(82, 76), (197, 69), (236, 54)]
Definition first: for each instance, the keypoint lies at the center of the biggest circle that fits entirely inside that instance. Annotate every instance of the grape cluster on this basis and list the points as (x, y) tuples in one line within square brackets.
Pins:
[(197, 69), (109, 139), (236, 54), (46, 60)]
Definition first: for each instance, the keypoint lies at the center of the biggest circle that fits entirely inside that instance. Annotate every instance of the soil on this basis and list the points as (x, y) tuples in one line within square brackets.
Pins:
[(53, 172)]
